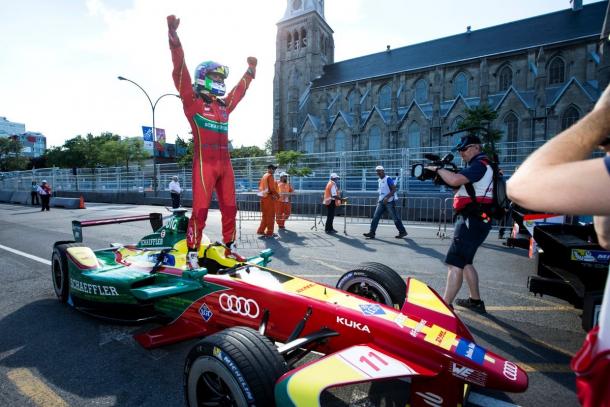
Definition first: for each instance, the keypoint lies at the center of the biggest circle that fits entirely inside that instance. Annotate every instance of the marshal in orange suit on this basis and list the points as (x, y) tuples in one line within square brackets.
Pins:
[(267, 191), (282, 205)]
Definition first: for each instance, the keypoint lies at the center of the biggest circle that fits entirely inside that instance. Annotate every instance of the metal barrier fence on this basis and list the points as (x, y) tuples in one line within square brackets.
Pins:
[(356, 169), (308, 207)]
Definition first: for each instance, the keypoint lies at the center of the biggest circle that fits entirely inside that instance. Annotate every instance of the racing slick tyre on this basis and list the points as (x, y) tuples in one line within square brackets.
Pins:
[(377, 282), (234, 367), (59, 270)]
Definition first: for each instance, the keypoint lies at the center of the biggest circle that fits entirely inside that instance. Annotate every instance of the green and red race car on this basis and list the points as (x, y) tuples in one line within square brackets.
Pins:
[(257, 323)]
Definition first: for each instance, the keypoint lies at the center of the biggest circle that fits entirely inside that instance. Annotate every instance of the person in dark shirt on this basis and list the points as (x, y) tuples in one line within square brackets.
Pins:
[(472, 220)]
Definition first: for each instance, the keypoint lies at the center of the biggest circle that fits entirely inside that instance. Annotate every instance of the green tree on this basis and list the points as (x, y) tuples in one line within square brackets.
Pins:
[(10, 155), (248, 151), (269, 146), (483, 116), (289, 159), (187, 159)]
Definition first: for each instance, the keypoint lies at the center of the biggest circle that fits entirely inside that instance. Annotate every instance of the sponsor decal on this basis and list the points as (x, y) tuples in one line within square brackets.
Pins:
[(590, 256), (239, 305), (471, 351), (162, 233), (305, 287), (510, 370), (468, 374), (153, 241), (400, 320), (205, 312), (440, 337), (94, 289), (371, 309), (353, 324), (417, 329), (431, 399), (230, 364)]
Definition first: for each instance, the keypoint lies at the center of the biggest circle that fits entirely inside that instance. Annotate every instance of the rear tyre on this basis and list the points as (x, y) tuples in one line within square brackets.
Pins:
[(59, 270), (234, 367), (376, 282)]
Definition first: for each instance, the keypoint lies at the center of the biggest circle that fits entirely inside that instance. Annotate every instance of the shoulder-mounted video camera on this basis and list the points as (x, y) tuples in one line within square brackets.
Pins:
[(420, 171)]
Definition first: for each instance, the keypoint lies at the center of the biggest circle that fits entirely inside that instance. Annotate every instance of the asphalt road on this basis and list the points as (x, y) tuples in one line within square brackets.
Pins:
[(52, 355)]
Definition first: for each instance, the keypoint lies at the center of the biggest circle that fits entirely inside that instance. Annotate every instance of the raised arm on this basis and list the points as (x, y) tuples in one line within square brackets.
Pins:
[(238, 92), (180, 74), (558, 177)]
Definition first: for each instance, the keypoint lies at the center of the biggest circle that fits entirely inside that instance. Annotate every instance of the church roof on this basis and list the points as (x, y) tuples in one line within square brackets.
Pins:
[(558, 27)]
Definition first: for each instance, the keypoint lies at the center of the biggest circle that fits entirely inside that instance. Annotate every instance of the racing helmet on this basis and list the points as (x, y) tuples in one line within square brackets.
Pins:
[(203, 83)]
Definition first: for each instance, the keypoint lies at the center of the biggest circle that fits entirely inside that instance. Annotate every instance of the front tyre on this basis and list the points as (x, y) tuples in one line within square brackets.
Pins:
[(59, 270), (376, 282), (234, 367)]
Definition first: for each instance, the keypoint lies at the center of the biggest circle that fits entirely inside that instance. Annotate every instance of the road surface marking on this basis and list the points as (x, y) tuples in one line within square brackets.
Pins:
[(545, 367), (515, 334), (524, 296), (531, 308), (29, 256), (33, 388), (330, 266)]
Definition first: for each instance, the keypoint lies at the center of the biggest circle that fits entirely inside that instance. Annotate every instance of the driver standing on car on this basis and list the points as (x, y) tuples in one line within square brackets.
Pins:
[(472, 222), (208, 115)]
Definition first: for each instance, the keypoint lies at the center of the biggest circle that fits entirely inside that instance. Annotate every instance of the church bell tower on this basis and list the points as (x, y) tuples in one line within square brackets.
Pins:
[(304, 44)]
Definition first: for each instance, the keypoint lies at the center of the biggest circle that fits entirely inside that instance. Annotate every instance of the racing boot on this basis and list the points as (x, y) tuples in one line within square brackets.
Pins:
[(475, 305), (231, 253), (192, 259)]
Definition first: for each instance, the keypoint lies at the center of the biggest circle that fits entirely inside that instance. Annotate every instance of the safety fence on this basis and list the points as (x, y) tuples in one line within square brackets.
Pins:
[(356, 210), (433, 211), (356, 169)]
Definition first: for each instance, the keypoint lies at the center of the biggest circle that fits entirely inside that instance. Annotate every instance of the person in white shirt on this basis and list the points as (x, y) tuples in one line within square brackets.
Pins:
[(44, 190), (175, 191), (386, 201)]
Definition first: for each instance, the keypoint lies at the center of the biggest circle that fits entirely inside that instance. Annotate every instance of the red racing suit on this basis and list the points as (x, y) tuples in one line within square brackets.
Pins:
[(212, 168)]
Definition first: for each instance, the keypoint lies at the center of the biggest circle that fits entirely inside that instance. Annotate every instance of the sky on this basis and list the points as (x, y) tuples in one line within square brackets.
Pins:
[(59, 60)]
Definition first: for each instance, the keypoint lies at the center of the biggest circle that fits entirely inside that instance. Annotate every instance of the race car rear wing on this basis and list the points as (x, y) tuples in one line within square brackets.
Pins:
[(156, 222)]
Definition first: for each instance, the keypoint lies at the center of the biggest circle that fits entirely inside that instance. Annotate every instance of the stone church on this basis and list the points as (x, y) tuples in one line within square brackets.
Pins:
[(540, 74)]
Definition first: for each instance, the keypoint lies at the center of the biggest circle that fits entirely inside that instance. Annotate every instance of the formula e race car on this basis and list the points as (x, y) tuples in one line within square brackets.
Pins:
[(258, 323)]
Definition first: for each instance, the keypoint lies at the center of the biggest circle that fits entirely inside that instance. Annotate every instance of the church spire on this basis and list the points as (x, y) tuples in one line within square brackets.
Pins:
[(296, 8)]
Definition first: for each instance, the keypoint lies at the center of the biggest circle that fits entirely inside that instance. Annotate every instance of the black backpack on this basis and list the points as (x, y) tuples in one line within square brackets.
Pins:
[(499, 199)]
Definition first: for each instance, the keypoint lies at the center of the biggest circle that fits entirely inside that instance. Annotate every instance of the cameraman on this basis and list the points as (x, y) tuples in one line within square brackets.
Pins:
[(472, 222)]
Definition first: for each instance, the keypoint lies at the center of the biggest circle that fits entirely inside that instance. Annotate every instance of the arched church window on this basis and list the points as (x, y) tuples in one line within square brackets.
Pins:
[(414, 135), (505, 79), (421, 91), (289, 42), (375, 138), (569, 117), (303, 37), (385, 94), (557, 71), (308, 143), (511, 127), (340, 141), (460, 85), (455, 124), (295, 38), (352, 100)]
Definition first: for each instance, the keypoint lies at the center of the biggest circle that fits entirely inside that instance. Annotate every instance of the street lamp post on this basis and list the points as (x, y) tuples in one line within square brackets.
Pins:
[(153, 106)]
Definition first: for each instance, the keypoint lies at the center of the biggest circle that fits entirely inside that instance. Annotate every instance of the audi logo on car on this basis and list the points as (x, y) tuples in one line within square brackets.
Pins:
[(239, 305), (510, 370)]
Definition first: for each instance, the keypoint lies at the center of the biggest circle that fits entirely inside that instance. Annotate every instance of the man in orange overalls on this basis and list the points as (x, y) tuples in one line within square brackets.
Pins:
[(282, 205), (267, 190)]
